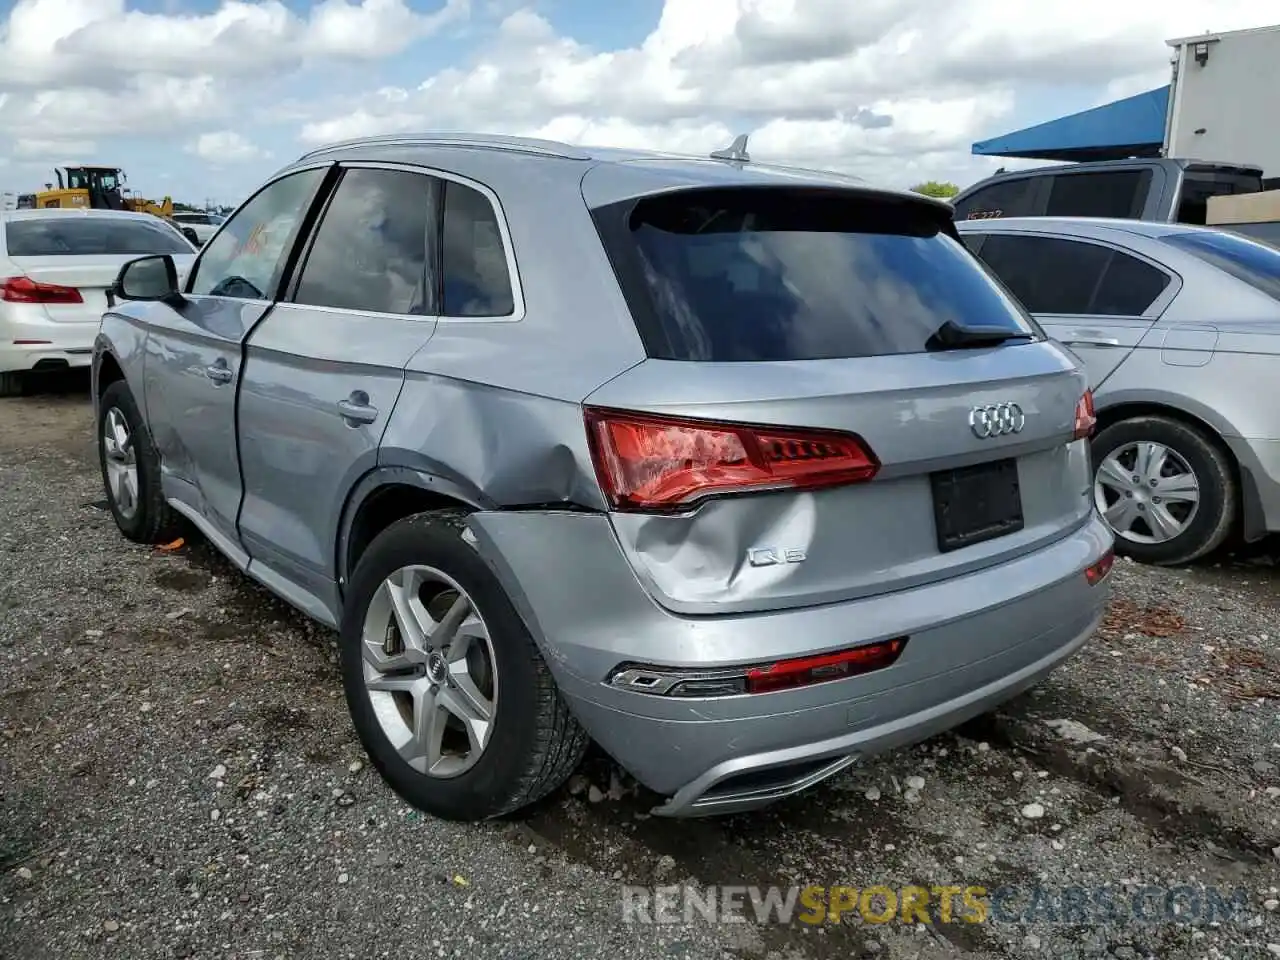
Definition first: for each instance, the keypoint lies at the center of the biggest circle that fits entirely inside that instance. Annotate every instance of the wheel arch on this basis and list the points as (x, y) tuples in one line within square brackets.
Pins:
[(1251, 523), (383, 496), (107, 372), (118, 351)]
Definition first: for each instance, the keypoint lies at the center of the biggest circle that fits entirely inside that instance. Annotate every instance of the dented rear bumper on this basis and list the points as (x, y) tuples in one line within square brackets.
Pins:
[(975, 641)]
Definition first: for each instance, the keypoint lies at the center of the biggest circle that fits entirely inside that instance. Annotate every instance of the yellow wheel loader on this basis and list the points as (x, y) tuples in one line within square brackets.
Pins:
[(97, 188)]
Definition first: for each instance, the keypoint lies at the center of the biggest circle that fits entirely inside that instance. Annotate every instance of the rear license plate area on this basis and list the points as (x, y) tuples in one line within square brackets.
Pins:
[(975, 504)]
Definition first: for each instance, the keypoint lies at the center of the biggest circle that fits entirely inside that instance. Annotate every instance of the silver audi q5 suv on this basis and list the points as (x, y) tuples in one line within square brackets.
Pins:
[(743, 472)]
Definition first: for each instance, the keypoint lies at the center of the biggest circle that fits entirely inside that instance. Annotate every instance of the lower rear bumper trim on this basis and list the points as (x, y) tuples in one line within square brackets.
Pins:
[(701, 797)]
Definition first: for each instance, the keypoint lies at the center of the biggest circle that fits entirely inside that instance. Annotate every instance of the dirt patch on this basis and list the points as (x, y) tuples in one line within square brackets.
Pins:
[(182, 581)]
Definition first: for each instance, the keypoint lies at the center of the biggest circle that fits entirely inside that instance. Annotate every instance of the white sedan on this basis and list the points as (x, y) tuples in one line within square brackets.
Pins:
[(55, 269), (204, 224)]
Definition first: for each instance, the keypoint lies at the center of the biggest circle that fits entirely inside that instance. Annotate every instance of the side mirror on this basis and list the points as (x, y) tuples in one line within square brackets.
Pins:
[(191, 236), (148, 278)]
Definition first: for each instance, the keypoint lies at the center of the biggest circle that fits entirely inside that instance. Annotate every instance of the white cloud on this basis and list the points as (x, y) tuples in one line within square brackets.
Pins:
[(885, 88), (893, 90), (147, 105), (225, 146), (43, 149), (70, 42)]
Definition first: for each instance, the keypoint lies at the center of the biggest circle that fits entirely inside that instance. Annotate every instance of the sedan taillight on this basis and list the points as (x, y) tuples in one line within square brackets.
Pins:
[(26, 290)]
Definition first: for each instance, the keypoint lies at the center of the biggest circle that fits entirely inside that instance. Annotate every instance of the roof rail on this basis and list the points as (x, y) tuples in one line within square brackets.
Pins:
[(546, 148)]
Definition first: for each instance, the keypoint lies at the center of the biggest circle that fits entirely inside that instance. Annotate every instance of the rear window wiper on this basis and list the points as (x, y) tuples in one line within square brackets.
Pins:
[(952, 336)]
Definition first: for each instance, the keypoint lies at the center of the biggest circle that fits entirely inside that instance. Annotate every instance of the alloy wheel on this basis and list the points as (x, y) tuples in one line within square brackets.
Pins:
[(1147, 492), (430, 671), (122, 462)]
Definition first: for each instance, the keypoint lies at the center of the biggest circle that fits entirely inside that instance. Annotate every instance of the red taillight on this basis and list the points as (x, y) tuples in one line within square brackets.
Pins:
[(832, 666), (1085, 419), (655, 463), (26, 290), (1097, 572)]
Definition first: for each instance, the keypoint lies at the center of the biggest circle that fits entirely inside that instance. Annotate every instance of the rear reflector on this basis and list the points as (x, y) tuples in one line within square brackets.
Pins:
[(832, 666), (762, 678), (1085, 419), (646, 462), (1097, 572), (26, 290)]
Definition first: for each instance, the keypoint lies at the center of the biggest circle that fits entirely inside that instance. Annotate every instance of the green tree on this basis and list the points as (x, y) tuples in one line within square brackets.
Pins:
[(937, 188)]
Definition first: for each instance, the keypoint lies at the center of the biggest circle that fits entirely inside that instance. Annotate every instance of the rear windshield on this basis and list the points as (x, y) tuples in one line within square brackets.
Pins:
[(87, 236), (1255, 263), (776, 274)]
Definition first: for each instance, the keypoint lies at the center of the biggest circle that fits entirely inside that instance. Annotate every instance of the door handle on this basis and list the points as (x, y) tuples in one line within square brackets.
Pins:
[(1092, 342), (219, 372), (356, 409)]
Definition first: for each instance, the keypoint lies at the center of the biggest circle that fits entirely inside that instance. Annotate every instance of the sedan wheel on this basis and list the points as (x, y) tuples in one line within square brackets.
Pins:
[(121, 460), (1147, 492), (1166, 488), (430, 669)]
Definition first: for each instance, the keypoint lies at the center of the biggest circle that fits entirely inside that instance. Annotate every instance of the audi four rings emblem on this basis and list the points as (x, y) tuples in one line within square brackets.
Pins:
[(996, 420)]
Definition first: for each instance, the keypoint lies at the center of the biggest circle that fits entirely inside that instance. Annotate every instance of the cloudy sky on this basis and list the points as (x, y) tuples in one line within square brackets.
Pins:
[(200, 99)]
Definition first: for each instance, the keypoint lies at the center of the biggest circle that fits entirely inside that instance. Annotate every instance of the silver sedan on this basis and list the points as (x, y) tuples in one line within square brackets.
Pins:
[(1179, 329)]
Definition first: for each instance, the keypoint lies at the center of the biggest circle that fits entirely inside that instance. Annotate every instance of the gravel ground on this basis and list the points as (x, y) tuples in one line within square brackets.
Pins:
[(178, 778)]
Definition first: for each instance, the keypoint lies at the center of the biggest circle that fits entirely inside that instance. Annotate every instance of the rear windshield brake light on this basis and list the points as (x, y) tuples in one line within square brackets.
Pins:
[(26, 290), (651, 463)]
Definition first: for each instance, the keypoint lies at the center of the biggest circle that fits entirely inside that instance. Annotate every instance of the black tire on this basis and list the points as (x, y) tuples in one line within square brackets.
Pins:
[(11, 383), (154, 521), (536, 742), (1211, 463)]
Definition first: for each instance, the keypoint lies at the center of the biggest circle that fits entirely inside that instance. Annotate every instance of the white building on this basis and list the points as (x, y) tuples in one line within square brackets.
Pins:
[(1224, 98)]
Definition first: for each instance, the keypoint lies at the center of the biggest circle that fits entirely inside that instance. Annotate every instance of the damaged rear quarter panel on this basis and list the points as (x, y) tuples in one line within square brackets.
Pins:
[(501, 448)]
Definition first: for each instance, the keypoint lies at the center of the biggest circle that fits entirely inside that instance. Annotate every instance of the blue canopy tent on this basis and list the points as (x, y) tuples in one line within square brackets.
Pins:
[(1132, 127)]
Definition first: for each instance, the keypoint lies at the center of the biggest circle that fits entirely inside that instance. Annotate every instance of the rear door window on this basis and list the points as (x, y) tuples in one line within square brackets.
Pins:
[(90, 236), (1114, 193), (1256, 264), (371, 251), (1052, 275), (783, 274), (1008, 198), (1129, 286)]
